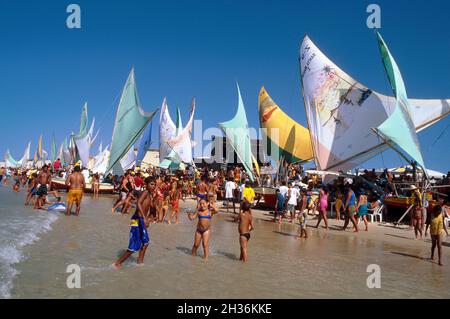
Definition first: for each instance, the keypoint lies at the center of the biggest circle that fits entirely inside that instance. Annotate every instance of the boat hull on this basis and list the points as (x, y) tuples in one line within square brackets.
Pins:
[(60, 184)]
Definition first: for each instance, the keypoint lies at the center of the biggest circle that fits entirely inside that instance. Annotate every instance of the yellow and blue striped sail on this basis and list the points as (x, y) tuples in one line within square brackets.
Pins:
[(237, 133), (130, 122), (399, 126)]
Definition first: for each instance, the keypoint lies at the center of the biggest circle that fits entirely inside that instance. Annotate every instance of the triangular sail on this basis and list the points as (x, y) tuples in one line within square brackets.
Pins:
[(10, 161), (130, 122), (39, 148), (181, 144), (237, 133), (144, 143), (26, 156), (129, 160), (101, 161), (66, 153), (60, 154), (53, 150), (173, 160), (287, 138), (83, 145), (399, 127), (167, 131), (341, 111), (83, 121)]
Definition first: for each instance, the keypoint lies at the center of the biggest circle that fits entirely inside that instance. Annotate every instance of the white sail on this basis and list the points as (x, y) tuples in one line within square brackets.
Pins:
[(83, 144), (26, 156), (129, 160), (181, 144), (342, 111), (167, 131), (101, 161)]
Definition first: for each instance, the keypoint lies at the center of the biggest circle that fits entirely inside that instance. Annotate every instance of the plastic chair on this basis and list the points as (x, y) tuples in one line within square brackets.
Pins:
[(376, 212), (447, 222)]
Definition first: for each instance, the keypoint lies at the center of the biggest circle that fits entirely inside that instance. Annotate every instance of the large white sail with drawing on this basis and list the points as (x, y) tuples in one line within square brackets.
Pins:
[(341, 112)]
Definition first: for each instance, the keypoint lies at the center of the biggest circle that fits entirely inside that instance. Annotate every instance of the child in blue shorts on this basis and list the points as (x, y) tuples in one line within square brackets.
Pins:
[(139, 239)]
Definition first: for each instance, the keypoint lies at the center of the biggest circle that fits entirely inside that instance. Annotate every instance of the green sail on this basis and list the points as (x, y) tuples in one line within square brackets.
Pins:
[(130, 122), (399, 126), (53, 149), (83, 120), (237, 133)]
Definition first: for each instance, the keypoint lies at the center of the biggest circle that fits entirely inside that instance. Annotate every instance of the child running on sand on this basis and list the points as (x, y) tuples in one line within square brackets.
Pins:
[(139, 239), (204, 212), (437, 230), (245, 227)]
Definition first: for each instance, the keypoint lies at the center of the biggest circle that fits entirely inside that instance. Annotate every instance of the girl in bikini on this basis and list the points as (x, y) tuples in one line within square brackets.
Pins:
[(204, 212)]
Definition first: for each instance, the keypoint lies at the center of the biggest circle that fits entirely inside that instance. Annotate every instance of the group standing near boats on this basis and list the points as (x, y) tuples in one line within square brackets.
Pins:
[(348, 123)]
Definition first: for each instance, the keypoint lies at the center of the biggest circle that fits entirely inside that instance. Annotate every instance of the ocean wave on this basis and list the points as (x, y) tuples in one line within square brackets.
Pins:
[(17, 231)]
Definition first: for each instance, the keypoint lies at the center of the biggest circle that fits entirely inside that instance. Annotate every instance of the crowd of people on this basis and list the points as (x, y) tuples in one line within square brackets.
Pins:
[(155, 196)]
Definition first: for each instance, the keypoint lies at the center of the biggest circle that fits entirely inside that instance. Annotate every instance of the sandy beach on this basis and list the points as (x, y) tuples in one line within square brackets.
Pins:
[(329, 264)]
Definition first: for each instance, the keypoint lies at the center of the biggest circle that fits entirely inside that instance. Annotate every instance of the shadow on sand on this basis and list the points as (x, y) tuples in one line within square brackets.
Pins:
[(412, 256), (187, 251), (284, 234), (228, 255)]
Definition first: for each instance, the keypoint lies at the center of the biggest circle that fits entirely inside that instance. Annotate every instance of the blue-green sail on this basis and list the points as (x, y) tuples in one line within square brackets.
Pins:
[(237, 133), (10, 161), (399, 127), (130, 122), (83, 121), (53, 149)]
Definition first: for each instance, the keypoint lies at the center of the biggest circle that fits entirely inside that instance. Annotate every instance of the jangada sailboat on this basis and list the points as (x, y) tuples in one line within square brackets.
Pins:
[(129, 124)]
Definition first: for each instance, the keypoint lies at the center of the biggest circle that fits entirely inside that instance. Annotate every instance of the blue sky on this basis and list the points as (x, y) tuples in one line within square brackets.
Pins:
[(181, 49)]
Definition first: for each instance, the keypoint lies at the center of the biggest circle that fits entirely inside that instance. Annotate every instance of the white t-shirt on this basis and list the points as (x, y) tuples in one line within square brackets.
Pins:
[(229, 188), (294, 195), (283, 190)]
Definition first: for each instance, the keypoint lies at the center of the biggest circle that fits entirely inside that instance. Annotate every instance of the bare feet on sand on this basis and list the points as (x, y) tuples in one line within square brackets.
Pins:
[(116, 266)]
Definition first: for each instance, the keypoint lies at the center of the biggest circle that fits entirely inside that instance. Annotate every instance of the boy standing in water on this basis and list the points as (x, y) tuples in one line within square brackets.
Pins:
[(139, 239), (245, 226)]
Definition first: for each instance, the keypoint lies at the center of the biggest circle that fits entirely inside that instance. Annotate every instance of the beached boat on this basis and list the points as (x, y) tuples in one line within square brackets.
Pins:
[(60, 184), (268, 193)]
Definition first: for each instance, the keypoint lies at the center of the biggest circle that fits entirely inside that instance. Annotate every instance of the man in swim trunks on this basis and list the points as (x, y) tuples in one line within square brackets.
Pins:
[(44, 180), (139, 239), (244, 228), (77, 184)]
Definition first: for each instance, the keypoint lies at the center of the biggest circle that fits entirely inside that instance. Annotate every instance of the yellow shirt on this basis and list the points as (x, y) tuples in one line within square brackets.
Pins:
[(249, 194), (437, 225)]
